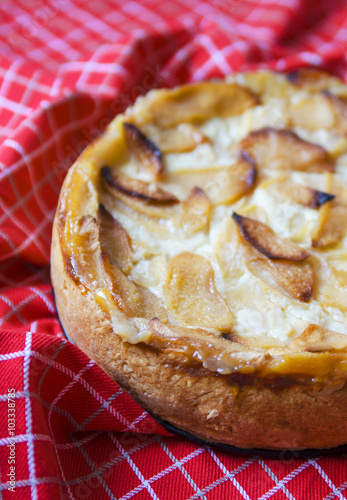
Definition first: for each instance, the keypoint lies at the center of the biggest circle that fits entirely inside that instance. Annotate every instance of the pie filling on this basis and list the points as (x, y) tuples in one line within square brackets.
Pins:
[(210, 222)]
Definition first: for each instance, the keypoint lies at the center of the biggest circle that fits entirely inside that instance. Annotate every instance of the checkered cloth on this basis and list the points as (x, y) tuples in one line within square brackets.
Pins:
[(66, 67)]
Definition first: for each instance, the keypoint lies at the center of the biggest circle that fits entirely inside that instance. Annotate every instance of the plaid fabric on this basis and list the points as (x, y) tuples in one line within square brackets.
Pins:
[(66, 67)]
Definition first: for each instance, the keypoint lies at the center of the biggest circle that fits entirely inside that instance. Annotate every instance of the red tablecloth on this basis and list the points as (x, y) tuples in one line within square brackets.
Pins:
[(67, 67)]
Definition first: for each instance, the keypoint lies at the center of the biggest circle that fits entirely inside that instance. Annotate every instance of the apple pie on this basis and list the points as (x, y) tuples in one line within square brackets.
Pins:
[(199, 256)]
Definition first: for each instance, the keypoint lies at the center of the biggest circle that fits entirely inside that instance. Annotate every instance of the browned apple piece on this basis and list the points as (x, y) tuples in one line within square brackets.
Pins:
[(132, 300), (267, 84), (147, 191), (266, 241), (86, 250), (191, 295), (330, 285), (339, 106), (312, 79), (303, 195), (222, 185), (313, 112), (185, 137), (320, 110), (294, 278), (145, 152), (332, 224), (282, 149), (149, 199), (123, 290), (215, 354), (316, 338), (288, 272), (150, 305), (265, 342), (199, 101), (228, 184), (195, 211), (114, 240)]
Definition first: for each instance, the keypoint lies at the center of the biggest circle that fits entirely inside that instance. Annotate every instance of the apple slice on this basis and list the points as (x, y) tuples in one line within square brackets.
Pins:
[(222, 185), (145, 152), (303, 195), (229, 184), (83, 263), (273, 259), (132, 300), (195, 211), (147, 191), (313, 79), (266, 84), (191, 295), (143, 197), (320, 110), (123, 290), (315, 338), (114, 240), (180, 139), (295, 278), (272, 148), (330, 285), (199, 101), (266, 241), (217, 355), (332, 224), (339, 107)]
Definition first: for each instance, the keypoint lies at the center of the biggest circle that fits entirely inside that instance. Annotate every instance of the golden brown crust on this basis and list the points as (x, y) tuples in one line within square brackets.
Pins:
[(247, 413)]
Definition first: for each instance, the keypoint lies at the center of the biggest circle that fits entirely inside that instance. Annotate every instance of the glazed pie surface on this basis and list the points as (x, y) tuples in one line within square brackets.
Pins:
[(209, 225)]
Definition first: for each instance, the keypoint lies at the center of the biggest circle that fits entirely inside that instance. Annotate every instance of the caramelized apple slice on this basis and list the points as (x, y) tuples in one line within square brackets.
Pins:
[(316, 338), (312, 79), (132, 300), (287, 272), (123, 290), (330, 285), (322, 110), (191, 295), (295, 278), (266, 84), (145, 152), (147, 198), (282, 149), (185, 137), (313, 112), (198, 101), (303, 195), (222, 185), (196, 209), (150, 305), (215, 354), (228, 184), (332, 224), (339, 106), (86, 249), (266, 241), (114, 240), (138, 189)]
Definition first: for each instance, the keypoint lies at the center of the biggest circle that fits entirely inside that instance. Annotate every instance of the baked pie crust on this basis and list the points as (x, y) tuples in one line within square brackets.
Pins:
[(199, 256)]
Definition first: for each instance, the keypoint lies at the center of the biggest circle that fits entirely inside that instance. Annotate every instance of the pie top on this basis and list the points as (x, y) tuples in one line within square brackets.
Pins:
[(209, 222)]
